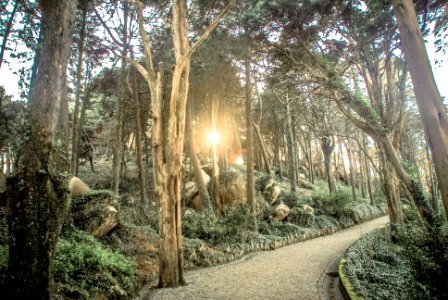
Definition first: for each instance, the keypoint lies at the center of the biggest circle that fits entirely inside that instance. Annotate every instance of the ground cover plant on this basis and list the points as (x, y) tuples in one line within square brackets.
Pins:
[(410, 262)]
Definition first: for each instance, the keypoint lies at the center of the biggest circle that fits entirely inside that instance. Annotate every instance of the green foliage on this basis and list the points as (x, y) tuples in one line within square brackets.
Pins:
[(336, 204), (93, 194), (281, 229), (361, 212), (427, 252), (261, 181), (4, 254), (411, 214), (289, 198), (12, 124), (299, 216), (232, 227), (84, 269), (325, 222), (201, 225), (379, 269)]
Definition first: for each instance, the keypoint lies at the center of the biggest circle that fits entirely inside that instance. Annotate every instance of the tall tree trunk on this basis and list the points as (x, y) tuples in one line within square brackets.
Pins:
[(432, 110), (367, 170), (352, 170), (37, 194), (310, 159), (82, 115), (416, 190), (117, 159), (203, 192), (142, 178), (8, 161), (291, 147), (250, 184), (8, 31), (327, 144), (267, 164), (75, 125), (362, 177), (393, 202), (215, 171), (277, 143), (431, 181)]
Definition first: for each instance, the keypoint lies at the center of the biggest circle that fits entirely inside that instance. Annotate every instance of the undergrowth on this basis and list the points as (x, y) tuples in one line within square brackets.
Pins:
[(85, 269), (379, 269)]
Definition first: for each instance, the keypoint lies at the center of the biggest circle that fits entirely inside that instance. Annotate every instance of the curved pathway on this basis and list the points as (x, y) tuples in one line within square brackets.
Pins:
[(293, 272)]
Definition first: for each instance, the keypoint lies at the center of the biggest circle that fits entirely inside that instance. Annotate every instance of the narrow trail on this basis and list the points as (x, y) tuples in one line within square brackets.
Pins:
[(300, 271)]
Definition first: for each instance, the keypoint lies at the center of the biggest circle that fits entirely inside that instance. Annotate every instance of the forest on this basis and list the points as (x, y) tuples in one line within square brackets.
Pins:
[(148, 138)]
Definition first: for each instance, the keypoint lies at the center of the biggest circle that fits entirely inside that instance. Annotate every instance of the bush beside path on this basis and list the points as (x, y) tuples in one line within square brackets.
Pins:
[(291, 272)]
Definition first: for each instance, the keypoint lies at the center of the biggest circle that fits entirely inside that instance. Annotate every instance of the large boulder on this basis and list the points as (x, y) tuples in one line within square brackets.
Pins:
[(77, 187), (191, 193), (233, 189), (302, 215), (281, 211), (95, 212), (272, 193)]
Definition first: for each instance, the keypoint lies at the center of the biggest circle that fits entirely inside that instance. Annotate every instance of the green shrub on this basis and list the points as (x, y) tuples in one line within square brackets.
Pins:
[(201, 225), (379, 269), (335, 204), (4, 254), (236, 219), (299, 216), (427, 250), (290, 199), (361, 212), (261, 181), (325, 222), (85, 269), (232, 227), (280, 229)]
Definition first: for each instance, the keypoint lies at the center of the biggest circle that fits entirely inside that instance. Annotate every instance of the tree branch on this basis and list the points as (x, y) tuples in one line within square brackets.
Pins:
[(207, 32), (138, 67), (145, 42), (107, 28)]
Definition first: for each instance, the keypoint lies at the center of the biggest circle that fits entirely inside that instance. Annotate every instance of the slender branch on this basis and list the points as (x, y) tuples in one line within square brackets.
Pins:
[(138, 67), (358, 123), (207, 32), (145, 42), (107, 28)]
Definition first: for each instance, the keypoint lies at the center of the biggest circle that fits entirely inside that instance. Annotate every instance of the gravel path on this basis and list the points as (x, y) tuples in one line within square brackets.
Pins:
[(292, 272)]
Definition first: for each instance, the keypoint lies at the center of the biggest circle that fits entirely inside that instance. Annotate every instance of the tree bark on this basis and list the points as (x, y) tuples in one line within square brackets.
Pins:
[(393, 202), (431, 181), (352, 170), (367, 170), (291, 154), (416, 191), (117, 159), (37, 194), (75, 125), (250, 184), (328, 144), (263, 149), (138, 138), (430, 105)]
